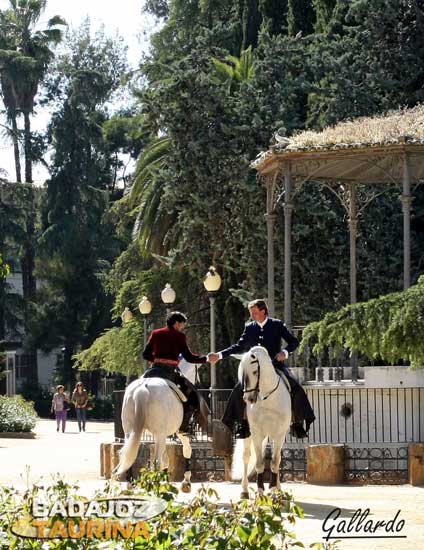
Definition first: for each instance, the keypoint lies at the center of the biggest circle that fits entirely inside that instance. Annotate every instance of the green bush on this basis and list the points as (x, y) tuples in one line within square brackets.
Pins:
[(102, 408), (41, 398), (16, 414), (202, 523)]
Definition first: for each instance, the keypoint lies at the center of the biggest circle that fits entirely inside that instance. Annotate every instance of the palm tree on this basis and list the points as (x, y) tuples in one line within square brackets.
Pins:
[(24, 57), (234, 70), (152, 223)]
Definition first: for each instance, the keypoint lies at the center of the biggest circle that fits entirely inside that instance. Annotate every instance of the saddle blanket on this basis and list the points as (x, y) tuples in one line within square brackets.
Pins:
[(173, 387)]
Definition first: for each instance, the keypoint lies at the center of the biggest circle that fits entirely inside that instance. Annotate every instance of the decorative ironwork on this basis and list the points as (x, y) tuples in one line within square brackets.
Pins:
[(204, 466), (375, 424), (376, 464), (293, 464)]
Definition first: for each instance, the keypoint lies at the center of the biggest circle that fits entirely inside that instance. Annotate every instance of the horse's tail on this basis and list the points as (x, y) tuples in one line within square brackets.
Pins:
[(129, 451), (238, 464)]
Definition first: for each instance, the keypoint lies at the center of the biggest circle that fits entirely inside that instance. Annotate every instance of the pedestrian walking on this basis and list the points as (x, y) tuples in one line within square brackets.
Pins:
[(80, 400), (60, 407)]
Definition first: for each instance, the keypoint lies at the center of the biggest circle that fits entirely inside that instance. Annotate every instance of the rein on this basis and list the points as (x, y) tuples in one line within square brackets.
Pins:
[(256, 388)]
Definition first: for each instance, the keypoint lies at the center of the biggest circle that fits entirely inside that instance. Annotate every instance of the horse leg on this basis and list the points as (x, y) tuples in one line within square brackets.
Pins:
[(160, 451), (186, 484), (275, 466), (246, 458), (260, 463)]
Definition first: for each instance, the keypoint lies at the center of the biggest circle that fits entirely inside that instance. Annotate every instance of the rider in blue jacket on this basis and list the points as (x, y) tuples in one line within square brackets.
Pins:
[(269, 333)]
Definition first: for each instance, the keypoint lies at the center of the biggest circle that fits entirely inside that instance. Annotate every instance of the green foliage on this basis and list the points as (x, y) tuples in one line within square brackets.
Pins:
[(25, 53), (102, 408), (77, 244), (193, 184), (4, 268), (16, 210), (369, 61), (41, 398), (153, 222), (300, 17), (390, 328), (233, 70), (116, 350), (265, 523), (204, 110), (16, 414), (324, 13)]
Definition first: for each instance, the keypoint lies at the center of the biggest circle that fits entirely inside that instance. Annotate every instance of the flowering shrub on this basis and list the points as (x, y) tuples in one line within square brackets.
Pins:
[(16, 414)]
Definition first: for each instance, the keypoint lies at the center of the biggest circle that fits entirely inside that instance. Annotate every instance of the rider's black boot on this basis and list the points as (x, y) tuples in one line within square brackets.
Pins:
[(243, 430), (188, 413), (297, 430)]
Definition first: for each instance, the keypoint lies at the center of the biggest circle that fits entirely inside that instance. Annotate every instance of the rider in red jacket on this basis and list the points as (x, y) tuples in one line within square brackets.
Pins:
[(163, 349)]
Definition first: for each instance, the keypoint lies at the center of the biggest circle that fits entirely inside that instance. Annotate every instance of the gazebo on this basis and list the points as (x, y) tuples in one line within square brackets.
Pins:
[(380, 151)]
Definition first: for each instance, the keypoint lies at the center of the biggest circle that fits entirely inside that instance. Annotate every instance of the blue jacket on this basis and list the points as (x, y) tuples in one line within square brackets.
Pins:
[(270, 337)]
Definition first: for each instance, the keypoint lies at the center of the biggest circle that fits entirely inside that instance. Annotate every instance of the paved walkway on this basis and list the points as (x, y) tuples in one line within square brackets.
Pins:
[(75, 457)]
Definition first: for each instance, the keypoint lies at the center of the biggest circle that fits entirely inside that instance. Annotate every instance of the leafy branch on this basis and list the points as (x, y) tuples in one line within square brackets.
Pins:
[(389, 328)]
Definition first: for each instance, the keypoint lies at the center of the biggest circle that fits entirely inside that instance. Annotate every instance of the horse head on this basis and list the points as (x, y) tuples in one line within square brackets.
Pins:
[(250, 367), (249, 375)]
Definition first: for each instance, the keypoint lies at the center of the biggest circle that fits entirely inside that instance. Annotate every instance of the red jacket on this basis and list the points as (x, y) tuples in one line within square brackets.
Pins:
[(169, 343)]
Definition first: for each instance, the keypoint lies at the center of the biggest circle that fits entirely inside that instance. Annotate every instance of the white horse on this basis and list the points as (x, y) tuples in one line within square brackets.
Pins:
[(150, 404), (268, 406)]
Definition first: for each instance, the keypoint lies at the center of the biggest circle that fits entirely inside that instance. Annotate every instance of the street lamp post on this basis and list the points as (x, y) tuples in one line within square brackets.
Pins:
[(212, 284), (145, 307), (168, 297), (126, 317)]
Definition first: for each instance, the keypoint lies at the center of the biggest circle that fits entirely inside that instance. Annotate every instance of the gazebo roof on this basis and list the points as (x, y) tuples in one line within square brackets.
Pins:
[(365, 150)]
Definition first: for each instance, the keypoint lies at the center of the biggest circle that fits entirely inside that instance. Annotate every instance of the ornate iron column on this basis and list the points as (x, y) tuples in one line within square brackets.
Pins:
[(353, 230), (270, 224), (288, 212), (406, 208)]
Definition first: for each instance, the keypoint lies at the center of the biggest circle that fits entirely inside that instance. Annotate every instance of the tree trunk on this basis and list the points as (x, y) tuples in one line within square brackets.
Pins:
[(28, 278), (16, 152), (27, 147), (68, 371)]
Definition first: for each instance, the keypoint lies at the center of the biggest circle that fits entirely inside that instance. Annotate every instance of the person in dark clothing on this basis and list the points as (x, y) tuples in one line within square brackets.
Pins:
[(163, 350), (269, 333)]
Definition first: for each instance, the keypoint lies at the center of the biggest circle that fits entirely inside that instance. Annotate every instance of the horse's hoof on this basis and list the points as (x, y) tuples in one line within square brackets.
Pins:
[(119, 477), (244, 495), (186, 487)]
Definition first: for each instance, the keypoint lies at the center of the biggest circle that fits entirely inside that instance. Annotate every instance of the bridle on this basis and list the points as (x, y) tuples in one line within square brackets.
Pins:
[(255, 390)]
